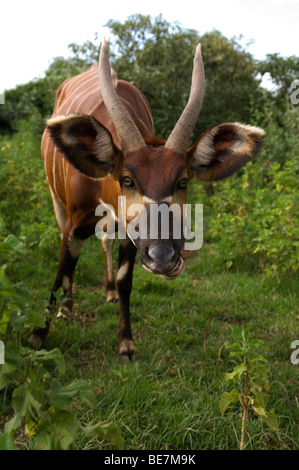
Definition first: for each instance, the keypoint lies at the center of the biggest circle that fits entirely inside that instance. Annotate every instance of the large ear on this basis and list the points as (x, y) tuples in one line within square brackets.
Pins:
[(85, 143), (222, 150)]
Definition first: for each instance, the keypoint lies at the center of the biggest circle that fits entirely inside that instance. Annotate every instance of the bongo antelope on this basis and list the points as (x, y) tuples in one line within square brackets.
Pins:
[(99, 145)]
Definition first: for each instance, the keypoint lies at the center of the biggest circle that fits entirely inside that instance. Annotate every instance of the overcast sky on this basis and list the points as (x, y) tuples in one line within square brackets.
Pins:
[(33, 32)]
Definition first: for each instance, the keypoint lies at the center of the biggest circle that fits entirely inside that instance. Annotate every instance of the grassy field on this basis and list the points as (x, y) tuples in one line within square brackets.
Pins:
[(168, 396)]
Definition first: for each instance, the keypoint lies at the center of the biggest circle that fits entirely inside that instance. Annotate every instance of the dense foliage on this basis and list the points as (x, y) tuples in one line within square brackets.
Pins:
[(251, 228)]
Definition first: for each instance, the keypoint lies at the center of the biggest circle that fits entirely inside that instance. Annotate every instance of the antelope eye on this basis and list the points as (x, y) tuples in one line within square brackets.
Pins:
[(182, 184), (128, 182)]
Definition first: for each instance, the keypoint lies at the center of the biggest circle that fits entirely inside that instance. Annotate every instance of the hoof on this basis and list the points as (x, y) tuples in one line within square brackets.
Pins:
[(126, 350), (35, 341), (38, 336), (63, 313), (111, 296)]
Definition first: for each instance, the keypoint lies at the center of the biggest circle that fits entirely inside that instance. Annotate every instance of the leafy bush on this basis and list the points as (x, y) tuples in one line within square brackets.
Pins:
[(254, 217), (41, 404), (250, 379)]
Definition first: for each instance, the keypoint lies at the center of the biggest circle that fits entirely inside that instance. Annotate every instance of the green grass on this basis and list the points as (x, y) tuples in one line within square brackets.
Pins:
[(168, 397)]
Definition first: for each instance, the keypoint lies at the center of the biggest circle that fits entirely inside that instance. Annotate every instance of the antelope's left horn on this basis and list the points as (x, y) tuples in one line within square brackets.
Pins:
[(179, 137)]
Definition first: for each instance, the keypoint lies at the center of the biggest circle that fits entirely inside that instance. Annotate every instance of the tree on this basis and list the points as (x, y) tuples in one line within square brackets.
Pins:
[(158, 57), (37, 97), (283, 71)]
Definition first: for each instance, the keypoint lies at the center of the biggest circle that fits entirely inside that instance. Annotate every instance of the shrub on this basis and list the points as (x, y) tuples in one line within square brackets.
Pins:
[(254, 216)]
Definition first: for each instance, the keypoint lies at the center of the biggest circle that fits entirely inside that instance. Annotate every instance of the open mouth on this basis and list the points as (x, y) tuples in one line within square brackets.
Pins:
[(170, 274), (175, 271)]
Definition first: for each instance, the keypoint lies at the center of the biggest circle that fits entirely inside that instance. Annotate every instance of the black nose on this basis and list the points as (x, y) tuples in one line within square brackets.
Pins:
[(161, 258)]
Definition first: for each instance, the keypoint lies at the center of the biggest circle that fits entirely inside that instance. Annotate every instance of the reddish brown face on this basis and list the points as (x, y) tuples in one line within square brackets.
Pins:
[(154, 178), (154, 187)]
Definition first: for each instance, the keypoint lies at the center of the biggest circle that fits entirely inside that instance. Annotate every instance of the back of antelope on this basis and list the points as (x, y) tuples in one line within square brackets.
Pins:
[(99, 145)]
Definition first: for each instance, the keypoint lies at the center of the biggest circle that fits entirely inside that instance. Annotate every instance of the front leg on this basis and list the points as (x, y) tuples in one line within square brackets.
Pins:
[(127, 253), (107, 246)]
